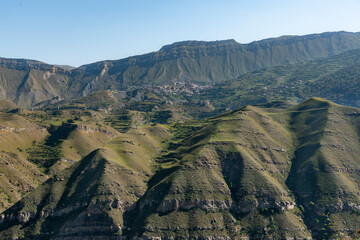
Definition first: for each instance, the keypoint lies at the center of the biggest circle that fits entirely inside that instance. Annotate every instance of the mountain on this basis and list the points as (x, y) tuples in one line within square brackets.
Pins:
[(29, 82), (336, 78), (136, 149), (35, 145), (277, 170), (208, 62), (342, 86)]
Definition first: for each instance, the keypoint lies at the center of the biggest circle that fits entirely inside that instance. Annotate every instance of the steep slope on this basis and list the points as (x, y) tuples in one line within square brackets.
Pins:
[(32, 149), (271, 171), (78, 196), (260, 173), (341, 86), (208, 62), (89, 198), (6, 106), (226, 181), (17, 175), (26, 65), (27, 87), (73, 141), (324, 174), (28, 82), (335, 78)]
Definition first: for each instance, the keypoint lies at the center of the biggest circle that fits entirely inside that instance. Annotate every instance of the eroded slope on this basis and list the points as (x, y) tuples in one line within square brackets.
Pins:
[(271, 171)]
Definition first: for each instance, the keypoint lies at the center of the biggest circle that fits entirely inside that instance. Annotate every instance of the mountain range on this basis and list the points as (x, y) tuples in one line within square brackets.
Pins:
[(28, 82), (199, 140)]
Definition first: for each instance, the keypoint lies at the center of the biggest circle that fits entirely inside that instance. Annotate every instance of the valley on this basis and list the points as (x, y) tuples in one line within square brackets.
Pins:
[(199, 140)]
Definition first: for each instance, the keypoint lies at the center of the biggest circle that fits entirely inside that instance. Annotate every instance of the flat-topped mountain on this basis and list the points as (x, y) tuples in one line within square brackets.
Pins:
[(208, 62), (26, 65), (28, 82)]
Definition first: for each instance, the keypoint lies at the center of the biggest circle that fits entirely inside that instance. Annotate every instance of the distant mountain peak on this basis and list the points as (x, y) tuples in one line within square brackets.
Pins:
[(27, 64), (193, 43)]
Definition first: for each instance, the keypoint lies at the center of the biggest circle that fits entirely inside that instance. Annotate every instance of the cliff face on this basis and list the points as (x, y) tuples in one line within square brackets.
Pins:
[(257, 172), (207, 62), (28, 82), (27, 87), (26, 64)]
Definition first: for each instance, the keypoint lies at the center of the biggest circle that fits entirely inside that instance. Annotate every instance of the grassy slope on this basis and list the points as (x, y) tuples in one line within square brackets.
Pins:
[(325, 166), (341, 86), (260, 172), (18, 176), (104, 184), (263, 161), (223, 181), (29, 154), (334, 78)]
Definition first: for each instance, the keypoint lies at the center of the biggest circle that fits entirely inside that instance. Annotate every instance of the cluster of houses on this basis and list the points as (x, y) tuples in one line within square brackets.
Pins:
[(183, 88)]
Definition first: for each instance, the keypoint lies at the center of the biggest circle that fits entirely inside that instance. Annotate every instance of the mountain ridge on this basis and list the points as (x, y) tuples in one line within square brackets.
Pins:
[(229, 42), (29, 82), (255, 172), (232, 43)]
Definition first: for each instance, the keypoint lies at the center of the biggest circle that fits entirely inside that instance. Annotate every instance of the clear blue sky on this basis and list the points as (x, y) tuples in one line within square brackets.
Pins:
[(77, 32)]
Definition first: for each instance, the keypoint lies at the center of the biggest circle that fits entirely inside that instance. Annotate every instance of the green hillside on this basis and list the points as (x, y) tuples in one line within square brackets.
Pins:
[(275, 170), (34, 145), (336, 78)]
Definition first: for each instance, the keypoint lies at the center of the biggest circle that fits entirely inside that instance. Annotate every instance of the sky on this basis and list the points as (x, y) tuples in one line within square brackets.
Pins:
[(77, 32)]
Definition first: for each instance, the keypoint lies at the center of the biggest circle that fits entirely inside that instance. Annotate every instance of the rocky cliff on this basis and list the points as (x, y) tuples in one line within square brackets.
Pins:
[(28, 82)]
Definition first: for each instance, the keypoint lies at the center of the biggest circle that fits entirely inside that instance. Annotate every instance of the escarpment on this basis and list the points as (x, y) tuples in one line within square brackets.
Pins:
[(30, 83)]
